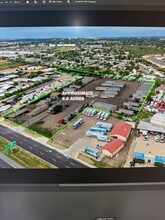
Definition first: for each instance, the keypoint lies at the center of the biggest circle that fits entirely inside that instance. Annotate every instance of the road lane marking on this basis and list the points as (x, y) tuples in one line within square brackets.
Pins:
[(59, 157), (41, 153), (35, 145), (72, 164), (67, 167), (20, 142), (30, 147), (54, 159), (25, 140)]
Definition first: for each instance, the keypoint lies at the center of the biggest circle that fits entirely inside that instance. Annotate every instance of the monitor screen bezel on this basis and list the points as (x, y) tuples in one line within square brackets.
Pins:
[(84, 18)]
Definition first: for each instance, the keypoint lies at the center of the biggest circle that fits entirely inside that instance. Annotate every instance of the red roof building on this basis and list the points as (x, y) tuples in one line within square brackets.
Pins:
[(112, 148), (121, 130)]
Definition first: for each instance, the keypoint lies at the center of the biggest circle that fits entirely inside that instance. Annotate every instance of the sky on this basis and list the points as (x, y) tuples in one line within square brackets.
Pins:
[(79, 32)]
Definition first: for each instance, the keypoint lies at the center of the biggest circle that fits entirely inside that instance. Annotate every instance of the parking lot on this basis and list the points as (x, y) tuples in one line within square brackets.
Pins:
[(69, 135)]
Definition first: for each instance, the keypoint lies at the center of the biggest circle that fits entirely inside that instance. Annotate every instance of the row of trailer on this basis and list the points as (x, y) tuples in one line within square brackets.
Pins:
[(89, 112), (101, 114), (100, 132)]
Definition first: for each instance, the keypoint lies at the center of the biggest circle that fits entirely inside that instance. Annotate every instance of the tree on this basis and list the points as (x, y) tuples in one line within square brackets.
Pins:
[(15, 83), (57, 109)]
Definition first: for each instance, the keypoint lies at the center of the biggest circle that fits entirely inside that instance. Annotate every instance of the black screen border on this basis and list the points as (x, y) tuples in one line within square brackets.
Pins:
[(84, 18)]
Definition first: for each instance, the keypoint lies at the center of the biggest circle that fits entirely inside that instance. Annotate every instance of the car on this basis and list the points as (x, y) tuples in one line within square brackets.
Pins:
[(98, 146), (145, 137), (157, 138)]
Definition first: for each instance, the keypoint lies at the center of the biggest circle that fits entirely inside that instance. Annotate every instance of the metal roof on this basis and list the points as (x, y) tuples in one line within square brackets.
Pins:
[(159, 117), (150, 127)]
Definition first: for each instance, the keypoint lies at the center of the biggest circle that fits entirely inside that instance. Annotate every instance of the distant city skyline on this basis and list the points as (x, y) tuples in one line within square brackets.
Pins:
[(9, 33)]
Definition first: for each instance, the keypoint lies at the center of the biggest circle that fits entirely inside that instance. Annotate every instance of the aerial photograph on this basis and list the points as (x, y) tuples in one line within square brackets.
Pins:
[(82, 97)]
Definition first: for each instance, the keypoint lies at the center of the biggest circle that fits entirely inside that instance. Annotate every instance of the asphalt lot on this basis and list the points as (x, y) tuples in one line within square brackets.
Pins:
[(40, 150)]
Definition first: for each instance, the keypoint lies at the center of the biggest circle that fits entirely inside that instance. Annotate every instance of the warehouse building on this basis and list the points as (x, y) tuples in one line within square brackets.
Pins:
[(105, 107), (146, 126), (121, 130), (112, 148), (126, 112), (158, 119)]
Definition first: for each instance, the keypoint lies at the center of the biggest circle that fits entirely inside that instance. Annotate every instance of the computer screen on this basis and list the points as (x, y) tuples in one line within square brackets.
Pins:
[(76, 97), (82, 102)]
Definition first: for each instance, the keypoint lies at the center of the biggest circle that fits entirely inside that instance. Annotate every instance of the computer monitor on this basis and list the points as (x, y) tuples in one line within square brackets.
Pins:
[(82, 96)]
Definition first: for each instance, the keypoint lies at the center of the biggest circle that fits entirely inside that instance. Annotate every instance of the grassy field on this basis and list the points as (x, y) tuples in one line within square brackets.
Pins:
[(10, 64), (139, 51), (144, 115), (22, 157)]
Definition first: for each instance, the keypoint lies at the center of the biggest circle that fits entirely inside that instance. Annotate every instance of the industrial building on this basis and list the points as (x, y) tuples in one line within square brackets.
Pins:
[(158, 119), (146, 126), (142, 91), (105, 107), (125, 112), (112, 148), (121, 130)]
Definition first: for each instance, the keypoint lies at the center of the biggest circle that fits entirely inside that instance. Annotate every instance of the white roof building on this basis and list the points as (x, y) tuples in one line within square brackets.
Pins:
[(158, 119)]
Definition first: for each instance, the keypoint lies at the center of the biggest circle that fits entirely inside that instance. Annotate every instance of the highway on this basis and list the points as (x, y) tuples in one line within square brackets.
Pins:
[(52, 156), (4, 164)]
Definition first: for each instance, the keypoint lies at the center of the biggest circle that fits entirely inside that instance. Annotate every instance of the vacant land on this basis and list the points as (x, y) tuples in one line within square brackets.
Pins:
[(10, 64), (3, 61), (139, 51)]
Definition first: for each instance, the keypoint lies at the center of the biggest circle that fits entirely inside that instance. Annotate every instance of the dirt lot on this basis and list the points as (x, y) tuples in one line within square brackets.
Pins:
[(3, 61), (13, 69)]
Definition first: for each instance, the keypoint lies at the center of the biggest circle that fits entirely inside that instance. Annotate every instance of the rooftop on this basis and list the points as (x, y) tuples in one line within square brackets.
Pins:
[(159, 117), (149, 147), (123, 129), (150, 127), (113, 146)]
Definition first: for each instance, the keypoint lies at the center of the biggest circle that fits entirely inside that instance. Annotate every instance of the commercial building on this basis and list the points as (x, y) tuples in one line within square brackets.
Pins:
[(112, 148), (158, 119), (150, 152), (121, 130), (105, 107)]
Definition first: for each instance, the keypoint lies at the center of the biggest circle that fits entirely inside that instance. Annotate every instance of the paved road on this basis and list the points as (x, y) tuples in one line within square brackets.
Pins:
[(4, 164), (40, 150)]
